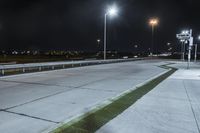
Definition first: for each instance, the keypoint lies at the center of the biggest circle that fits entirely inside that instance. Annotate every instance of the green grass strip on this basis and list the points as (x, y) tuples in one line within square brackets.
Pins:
[(92, 121)]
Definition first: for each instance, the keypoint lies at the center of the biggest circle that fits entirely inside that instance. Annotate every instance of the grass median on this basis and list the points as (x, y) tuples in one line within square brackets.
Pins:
[(92, 121)]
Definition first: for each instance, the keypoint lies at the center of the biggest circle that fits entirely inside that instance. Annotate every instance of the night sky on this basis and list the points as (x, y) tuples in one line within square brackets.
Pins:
[(77, 24)]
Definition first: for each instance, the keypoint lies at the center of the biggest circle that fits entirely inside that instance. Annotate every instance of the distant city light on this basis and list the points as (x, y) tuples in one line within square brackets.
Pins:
[(199, 37), (136, 46)]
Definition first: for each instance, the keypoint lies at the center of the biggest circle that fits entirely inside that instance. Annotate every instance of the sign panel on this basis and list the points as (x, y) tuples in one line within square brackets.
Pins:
[(183, 36)]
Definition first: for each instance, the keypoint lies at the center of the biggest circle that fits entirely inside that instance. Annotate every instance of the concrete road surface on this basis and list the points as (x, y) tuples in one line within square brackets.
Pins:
[(172, 107), (33, 103)]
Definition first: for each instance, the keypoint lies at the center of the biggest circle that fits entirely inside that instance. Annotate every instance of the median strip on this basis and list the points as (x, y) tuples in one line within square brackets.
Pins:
[(93, 120)]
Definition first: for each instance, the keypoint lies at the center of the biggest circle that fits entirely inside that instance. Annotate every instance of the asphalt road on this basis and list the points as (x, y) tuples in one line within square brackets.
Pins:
[(36, 102)]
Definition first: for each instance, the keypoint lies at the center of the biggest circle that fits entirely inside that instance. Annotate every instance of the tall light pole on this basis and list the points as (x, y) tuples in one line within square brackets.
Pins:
[(190, 47), (195, 54), (196, 50), (153, 22), (183, 49), (112, 11)]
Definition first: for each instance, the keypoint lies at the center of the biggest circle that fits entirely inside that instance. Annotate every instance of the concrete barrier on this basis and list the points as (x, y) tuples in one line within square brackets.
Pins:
[(36, 67)]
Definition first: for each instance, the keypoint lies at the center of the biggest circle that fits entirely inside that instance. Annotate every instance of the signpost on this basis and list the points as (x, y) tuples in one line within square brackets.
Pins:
[(186, 36), (195, 55), (183, 49)]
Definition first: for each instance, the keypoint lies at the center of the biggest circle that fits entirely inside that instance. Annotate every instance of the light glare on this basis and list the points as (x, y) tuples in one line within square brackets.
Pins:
[(112, 11), (185, 32), (153, 22)]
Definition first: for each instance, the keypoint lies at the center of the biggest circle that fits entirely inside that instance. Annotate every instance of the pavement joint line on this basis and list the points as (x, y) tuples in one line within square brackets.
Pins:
[(10, 81), (103, 104), (34, 117), (83, 88), (94, 82), (191, 107), (38, 99), (32, 83)]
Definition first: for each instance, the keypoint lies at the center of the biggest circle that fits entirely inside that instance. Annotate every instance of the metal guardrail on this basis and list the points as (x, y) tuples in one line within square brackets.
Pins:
[(36, 67)]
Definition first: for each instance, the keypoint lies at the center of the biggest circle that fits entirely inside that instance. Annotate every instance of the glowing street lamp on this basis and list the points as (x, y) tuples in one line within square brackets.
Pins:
[(168, 44), (112, 11), (185, 32), (153, 22), (98, 41)]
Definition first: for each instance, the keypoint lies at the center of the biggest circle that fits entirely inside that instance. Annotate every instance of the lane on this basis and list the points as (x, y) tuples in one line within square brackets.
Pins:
[(62, 94), (13, 94)]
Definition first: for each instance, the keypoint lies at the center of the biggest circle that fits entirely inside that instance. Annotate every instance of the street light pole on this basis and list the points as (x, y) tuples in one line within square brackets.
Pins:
[(152, 38), (190, 48), (105, 35), (196, 50), (153, 22), (112, 11), (183, 50), (195, 56)]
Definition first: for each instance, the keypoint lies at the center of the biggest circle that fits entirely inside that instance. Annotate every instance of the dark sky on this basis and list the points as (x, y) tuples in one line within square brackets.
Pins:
[(76, 24)]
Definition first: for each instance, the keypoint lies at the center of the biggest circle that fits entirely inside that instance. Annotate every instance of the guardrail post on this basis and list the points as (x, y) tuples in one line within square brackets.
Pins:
[(40, 68), (63, 66), (23, 70), (2, 72), (53, 67)]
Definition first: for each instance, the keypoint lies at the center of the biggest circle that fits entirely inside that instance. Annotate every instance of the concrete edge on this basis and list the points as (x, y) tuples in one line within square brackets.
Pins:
[(101, 105)]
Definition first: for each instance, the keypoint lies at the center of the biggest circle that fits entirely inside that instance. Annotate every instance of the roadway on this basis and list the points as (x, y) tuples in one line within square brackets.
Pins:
[(36, 102)]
